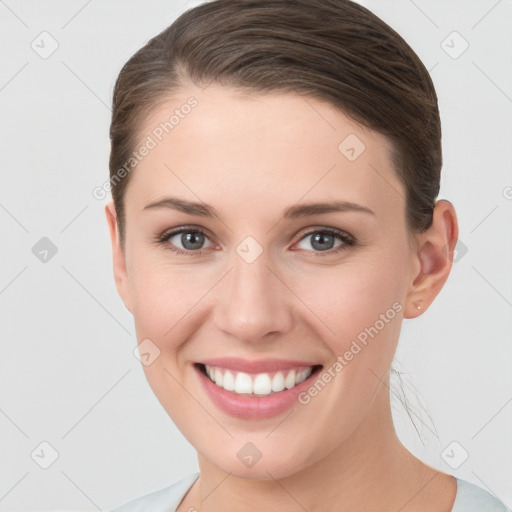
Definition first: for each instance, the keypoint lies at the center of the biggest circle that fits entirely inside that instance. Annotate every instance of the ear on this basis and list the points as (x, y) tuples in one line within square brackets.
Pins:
[(434, 258), (118, 257)]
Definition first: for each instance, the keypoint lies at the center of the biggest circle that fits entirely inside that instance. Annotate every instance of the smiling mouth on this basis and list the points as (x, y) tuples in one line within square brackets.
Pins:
[(258, 384)]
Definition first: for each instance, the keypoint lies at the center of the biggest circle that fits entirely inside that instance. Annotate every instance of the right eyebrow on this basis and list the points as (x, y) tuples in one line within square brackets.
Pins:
[(182, 205)]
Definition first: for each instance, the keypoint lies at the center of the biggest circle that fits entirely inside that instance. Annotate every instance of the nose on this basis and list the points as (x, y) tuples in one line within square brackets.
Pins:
[(253, 302)]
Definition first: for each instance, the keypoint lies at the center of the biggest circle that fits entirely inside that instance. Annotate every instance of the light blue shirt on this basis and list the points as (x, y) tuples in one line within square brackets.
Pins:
[(469, 498)]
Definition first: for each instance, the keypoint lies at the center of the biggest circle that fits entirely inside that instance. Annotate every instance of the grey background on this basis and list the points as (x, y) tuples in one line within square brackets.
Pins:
[(68, 376)]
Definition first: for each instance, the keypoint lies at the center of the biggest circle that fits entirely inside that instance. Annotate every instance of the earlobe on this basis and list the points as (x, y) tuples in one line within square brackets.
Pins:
[(118, 256), (435, 258)]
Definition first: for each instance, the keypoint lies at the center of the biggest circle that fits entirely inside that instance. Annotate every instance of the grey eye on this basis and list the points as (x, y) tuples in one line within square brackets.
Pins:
[(190, 240), (321, 240)]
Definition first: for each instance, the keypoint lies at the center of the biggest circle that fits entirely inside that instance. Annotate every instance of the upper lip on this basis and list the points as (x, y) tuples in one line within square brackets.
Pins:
[(258, 366)]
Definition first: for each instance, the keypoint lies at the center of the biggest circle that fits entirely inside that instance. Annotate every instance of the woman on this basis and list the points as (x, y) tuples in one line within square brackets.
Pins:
[(244, 137)]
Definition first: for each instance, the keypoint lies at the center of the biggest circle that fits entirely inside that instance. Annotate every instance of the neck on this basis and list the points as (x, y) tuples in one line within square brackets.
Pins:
[(371, 470)]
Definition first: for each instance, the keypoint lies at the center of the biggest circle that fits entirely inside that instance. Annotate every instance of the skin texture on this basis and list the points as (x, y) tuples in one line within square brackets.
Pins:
[(251, 157)]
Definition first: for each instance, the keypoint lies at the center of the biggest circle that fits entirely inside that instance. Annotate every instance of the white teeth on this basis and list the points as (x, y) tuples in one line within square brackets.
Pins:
[(289, 382), (243, 383), (229, 381), (278, 382), (260, 384), (303, 375), (218, 377)]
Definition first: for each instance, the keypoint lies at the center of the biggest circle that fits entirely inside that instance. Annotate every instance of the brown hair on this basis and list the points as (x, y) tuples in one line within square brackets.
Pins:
[(331, 50)]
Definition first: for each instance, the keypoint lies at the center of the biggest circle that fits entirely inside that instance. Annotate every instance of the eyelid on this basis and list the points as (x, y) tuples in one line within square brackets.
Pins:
[(180, 229), (315, 229)]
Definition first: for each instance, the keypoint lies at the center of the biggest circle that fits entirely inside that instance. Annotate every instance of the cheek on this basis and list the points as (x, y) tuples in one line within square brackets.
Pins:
[(171, 303), (163, 295), (350, 300), (163, 306), (360, 310)]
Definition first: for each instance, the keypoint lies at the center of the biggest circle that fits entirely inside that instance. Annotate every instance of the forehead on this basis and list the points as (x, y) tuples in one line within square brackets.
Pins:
[(235, 149)]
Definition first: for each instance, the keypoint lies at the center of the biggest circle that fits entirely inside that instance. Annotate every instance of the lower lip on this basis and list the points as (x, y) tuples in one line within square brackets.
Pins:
[(247, 407)]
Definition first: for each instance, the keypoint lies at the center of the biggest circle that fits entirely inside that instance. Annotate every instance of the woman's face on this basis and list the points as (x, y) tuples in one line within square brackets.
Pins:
[(262, 282)]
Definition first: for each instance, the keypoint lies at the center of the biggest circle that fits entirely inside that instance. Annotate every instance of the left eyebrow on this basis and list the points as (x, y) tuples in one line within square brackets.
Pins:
[(305, 209), (293, 212)]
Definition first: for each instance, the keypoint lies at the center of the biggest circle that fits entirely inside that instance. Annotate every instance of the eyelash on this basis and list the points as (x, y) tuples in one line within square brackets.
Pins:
[(348, 240)]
